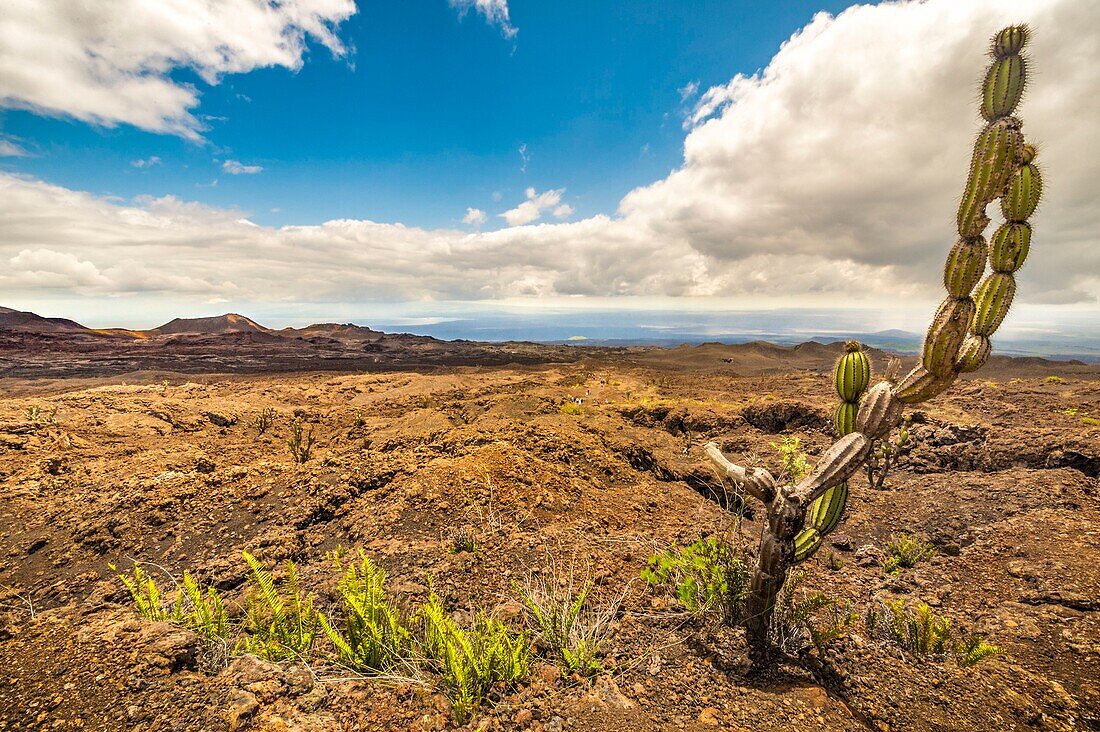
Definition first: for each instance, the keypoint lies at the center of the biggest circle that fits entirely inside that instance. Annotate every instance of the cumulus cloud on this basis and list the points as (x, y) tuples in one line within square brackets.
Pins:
[(829, 178), (110, 61), (474, 217), (235, 167), (531, 209), (563, 211), (494, 11)]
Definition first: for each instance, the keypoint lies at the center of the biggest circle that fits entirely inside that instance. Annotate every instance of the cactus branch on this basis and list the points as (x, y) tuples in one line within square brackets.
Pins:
[(799, 516)]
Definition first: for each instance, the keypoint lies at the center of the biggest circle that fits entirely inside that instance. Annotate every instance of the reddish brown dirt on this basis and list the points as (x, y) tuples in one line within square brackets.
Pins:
[(1002, 477)]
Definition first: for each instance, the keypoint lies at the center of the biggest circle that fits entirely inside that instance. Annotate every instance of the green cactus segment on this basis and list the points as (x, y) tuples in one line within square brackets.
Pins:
[(1009, 41), (1010, 245), (992, 300), (825, 512), (965, 266), (852, 373), (1021, 198), (1003, 87), (1027, 154), (806, 542), (995, 153), (822, 517), (973, 354), (920, 385), (845, 418), (946, 334)]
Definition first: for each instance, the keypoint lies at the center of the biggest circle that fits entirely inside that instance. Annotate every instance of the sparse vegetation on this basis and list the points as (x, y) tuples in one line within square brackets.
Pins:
[(567, 619), (925, 634), (372, 636), (463, 540), (571, 408), (804, 618), (300, 441), (470, 662), (884, 457), (280, 620), (707, 576), (906, 552), (40, 415), (195, 607), (1054, 380), (264, 420), (792, 458), (370, 633)]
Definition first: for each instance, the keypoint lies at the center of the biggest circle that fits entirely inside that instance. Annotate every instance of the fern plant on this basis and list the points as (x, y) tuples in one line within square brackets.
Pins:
[(280, 619), (206, 614), (372, 637), (972, 649), (471, 662), (804, 618), (569, 623), (925, 634), (149, 601)]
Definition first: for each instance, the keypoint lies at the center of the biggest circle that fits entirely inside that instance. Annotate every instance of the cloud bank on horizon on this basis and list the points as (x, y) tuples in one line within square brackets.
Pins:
[(830, 177)]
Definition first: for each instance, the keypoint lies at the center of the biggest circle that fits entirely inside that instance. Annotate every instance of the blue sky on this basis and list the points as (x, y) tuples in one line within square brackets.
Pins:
[(426, 114), (310, 160)]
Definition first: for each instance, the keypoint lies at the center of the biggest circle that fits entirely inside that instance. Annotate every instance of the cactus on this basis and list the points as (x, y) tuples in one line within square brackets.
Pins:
[(799, 516), (851, 376)]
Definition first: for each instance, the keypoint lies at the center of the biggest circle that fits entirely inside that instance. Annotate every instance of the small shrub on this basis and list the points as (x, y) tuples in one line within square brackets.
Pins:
[(280, 620), (1054, 380), (795, 465), (906, 552), (463, 540), (572, 626), (571, 408), (470, 662), (1090, 421), (807, 618), (264, 420), (300, 441), (35, 413), (373, 636), (706, 576), (970, 650)]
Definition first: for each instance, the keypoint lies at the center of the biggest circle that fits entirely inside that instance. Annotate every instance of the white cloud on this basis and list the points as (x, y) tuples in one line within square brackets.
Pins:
[(531, 209), (148, 162), (494, 11), (563, 211), (235, 167), (109, 61), (474, 217), (832, 177), (524, 158), (10, 148), (688, 90)]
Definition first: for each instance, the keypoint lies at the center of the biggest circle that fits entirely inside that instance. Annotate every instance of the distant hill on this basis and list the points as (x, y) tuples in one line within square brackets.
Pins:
[(338, 331), (217, 325), (30, 322)]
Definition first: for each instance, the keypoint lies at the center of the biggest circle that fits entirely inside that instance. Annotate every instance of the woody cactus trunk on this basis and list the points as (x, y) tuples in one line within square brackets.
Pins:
[(800, 515)]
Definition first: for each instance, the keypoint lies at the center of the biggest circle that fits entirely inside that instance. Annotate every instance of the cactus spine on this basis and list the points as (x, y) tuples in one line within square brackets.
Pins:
[(799, 516)]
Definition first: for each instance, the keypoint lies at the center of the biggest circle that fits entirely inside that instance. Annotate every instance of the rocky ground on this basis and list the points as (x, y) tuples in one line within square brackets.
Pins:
[(1001, 476)]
